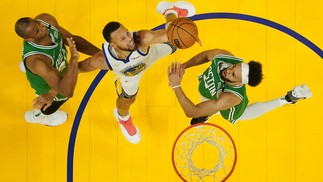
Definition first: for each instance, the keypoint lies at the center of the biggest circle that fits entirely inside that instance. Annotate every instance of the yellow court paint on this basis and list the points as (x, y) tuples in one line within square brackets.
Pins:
[(284, 145)]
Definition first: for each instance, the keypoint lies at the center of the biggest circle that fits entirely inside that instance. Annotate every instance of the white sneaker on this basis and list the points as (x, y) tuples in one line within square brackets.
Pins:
[(181, 8), (22, 67), (35, 116), (298, 93), (129, 130)]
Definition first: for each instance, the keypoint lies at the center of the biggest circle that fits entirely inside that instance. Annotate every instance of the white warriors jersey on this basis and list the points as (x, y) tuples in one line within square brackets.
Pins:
[(130, 70)]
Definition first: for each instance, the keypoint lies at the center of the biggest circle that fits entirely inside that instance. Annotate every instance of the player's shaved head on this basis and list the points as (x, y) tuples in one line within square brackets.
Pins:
[(21, 26)]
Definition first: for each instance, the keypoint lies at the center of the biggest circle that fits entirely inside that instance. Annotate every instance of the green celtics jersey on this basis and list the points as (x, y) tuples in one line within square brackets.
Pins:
[(56, 52), (211, 84)]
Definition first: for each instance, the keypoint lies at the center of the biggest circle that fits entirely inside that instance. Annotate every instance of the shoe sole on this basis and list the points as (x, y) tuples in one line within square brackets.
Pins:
[(162, 6)]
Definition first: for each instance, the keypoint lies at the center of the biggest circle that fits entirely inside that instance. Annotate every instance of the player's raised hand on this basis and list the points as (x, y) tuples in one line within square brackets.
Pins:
[(44, 100), (175, 74), (74, 53)]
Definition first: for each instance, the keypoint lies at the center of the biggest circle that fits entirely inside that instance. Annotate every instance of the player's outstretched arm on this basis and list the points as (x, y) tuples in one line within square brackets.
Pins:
[(93, 63), (82, 44), (207, 108), (148, 37), (204, 57)]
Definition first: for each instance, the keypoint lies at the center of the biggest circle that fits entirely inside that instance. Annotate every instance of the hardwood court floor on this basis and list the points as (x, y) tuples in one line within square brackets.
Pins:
[(284, 145)]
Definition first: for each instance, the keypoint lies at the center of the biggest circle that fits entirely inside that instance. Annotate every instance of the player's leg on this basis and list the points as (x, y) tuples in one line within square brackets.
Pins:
[(259, 108), (122, 113), (173, 10), (123, 104)]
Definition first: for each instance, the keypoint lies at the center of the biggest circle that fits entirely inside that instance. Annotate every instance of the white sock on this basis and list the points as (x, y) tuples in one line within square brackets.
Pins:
[(257, 109), (124, 118), (283, 101), (170, 12)]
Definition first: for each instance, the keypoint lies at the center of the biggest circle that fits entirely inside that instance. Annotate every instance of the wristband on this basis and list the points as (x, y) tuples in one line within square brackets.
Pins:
[(176, 86)]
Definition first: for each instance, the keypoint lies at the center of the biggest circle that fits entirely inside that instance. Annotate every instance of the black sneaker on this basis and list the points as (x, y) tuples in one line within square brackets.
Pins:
[(201, 119)]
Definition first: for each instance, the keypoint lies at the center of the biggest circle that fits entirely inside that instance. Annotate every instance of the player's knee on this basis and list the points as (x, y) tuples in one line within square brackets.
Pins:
[(127, 101)]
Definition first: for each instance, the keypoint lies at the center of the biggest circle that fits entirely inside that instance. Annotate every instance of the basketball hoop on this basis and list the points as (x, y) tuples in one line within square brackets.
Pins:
[(204, 152)]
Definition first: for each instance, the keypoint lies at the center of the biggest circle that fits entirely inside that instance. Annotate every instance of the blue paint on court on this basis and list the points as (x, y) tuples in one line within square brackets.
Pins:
[(198, 17)]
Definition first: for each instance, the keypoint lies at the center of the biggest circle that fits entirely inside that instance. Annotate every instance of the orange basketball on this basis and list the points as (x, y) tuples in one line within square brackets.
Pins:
[(182, 33)]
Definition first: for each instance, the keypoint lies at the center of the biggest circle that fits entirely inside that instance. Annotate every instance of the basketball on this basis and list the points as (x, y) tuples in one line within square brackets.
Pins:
[(182, 33)]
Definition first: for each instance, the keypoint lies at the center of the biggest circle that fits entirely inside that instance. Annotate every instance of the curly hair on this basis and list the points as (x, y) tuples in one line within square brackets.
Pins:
[(255, 73)]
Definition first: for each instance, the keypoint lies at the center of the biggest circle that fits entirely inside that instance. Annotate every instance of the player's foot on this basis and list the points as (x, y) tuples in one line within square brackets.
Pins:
[(22, 67), (298, 93), (36, 116), (180, 8), (202, 119), (129, 130)]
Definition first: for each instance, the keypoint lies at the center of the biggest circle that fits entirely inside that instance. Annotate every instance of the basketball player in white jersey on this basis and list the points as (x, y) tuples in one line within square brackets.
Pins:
[(129, 55)]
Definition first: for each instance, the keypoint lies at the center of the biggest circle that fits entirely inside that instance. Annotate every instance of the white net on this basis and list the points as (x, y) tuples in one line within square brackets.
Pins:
[(204, 153)]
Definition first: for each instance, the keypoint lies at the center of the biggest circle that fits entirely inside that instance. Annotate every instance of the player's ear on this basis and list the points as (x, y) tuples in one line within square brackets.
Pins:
[(113, 45), (29, 39), (239, 84)]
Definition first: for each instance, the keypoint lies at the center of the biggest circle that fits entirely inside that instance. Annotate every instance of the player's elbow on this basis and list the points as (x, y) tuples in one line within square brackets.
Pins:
[(70, 94), (190, 114), (82, 69), (195, 112), (67, 93)]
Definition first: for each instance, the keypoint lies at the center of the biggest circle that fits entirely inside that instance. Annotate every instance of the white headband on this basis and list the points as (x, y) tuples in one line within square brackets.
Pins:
[(245, 73)]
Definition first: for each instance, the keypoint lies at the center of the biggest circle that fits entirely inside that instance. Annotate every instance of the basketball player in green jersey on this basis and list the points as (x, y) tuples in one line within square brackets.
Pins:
[(223, 88), (44, 59)]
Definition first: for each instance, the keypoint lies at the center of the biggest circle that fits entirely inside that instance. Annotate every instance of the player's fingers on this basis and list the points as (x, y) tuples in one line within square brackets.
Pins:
[(178, 66), (173, 67), (71, 43), (68, 41), (35, 99), (75, 52), (37, 105), (169, 70), (46, 106), (181, 71), (47, 103)]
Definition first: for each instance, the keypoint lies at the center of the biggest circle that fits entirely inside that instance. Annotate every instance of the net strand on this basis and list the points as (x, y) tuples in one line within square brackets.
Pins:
[(194, 138)]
